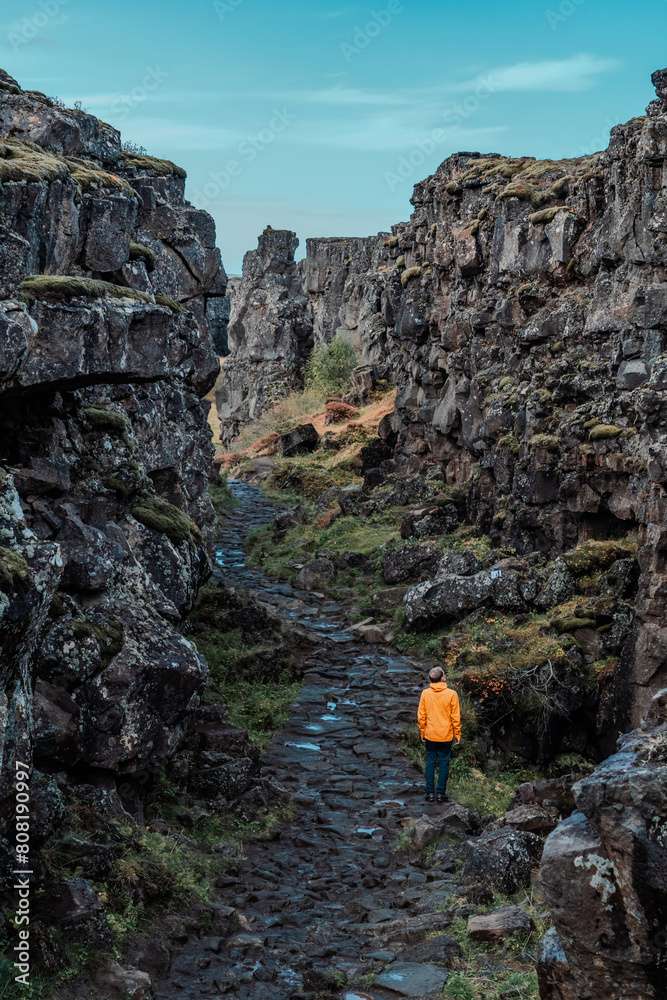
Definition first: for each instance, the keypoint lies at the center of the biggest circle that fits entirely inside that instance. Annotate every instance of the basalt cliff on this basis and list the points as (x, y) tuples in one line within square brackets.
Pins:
[(521, 313), (110, 287)]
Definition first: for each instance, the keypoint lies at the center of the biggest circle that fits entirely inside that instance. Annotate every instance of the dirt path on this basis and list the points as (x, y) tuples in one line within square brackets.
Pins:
[(328, 892)]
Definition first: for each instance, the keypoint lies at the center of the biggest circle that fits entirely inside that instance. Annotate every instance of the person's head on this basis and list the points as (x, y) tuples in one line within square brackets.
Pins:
[(436, 674)]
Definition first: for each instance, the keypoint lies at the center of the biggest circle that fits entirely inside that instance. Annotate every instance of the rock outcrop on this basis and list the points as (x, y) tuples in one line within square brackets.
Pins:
[(109, 278), (280, 310), (269, 335), (522, 314), (604, 877)]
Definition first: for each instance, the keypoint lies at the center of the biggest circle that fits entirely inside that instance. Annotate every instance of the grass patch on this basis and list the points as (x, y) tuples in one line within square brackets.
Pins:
[(346, 535), (145, 164), (23, 161)]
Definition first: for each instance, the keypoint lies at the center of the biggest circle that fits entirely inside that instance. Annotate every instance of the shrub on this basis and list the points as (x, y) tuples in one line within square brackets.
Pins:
[(330, 367), (338, 412)]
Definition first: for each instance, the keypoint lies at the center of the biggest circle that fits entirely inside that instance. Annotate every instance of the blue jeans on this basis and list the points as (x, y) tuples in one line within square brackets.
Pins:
[(440, 754)]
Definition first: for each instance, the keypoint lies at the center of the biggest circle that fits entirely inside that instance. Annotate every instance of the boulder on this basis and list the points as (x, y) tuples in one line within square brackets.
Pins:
[(115, 982), (407, 562), (300, 441), (316, 575), (602, 876), (499, 924), (501, 861), (531, 818)]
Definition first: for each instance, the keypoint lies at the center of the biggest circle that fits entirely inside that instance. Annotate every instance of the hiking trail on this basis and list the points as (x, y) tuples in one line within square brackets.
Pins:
[(328, 891)]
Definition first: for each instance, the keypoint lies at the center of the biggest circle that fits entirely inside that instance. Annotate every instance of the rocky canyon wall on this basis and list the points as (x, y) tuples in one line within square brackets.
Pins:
[(280, 310), (522, 314), (110, 281)]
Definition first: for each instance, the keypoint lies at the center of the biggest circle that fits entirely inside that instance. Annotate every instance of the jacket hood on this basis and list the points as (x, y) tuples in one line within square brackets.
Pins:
[(438, 685)]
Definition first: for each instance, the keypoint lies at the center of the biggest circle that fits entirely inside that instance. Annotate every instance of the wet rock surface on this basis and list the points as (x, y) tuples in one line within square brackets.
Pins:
[(330, 893)]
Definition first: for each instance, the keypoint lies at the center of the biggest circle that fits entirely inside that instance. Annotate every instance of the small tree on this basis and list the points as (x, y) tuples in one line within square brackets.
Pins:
[(330, 367)]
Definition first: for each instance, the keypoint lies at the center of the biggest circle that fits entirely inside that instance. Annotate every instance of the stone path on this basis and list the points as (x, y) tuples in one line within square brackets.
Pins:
[(330, 893)]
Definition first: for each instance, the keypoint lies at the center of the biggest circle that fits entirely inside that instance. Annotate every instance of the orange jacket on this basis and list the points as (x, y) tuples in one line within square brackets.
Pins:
[(439, 714)]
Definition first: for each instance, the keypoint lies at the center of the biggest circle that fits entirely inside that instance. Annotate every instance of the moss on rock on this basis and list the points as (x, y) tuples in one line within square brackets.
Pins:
[(59, 287), (13, 568), (159, 515), (597, 554), (604, 432), (106, 420), (546, 215), (152, 165), (23, 161), (139, 251), (410, 273)]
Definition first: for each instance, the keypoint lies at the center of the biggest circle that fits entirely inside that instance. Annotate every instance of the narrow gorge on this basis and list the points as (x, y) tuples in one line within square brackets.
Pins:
[(446, 443)]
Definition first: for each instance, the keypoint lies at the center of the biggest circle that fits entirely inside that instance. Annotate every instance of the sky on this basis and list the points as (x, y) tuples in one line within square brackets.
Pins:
[(321, 116)]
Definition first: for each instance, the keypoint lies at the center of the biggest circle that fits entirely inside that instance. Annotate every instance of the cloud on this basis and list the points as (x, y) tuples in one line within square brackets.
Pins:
[(347, 97), (571, 74), (387, 133)]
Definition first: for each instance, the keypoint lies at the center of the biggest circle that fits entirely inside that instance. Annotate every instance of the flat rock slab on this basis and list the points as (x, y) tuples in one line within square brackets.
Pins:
[(412, 980), (499, 924)]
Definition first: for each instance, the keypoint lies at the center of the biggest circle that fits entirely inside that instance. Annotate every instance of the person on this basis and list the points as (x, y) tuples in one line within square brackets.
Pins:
[(439, 721)]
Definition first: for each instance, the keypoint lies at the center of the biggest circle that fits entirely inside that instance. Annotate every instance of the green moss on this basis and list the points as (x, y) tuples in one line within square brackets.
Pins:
[(139, 251), (571, 624), (546, 215), (595, 554), (23, 161), (152, 165), (166, 300), (549, 442), (161, 516), (13, 568), (522, 190), (108, 635), (90, 177), (400, 262), (103, 419), (57, 287), (391, 241), (510, 442), (410, 273), (604, 432), (120, 486)]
